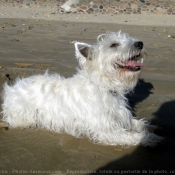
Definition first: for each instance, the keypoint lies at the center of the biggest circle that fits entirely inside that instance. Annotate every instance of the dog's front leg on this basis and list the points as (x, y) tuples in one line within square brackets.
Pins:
[(120, 136)]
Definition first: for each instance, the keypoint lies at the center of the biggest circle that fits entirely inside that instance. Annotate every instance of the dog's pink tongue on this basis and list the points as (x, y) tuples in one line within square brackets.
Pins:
[(134, 64)]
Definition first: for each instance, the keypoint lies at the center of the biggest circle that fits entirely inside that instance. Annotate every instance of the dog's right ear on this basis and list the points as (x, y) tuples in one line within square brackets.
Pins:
[(82, 50), (101, 37)]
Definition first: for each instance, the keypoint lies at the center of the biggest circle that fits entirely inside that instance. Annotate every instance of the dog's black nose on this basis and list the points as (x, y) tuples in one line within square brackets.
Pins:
[(139, 44)]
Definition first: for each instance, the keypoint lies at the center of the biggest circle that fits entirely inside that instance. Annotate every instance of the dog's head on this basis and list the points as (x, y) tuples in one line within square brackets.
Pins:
[(114, 61)]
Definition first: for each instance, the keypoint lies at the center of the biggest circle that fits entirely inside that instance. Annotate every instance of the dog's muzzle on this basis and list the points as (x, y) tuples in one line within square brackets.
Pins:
[(135, 62)]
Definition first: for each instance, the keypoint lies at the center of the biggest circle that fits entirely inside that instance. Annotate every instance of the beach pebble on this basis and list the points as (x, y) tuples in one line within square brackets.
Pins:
[(171, 36), (4, 126)]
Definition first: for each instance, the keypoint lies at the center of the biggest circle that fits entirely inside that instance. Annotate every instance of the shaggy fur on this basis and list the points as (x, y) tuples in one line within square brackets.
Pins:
[(92, 103)]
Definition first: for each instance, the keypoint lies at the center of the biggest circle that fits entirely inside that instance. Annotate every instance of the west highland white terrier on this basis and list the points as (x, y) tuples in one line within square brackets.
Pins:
[(92, 103)]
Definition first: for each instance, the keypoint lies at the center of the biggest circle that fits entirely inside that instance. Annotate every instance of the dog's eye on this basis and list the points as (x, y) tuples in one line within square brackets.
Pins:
[(114, 45)]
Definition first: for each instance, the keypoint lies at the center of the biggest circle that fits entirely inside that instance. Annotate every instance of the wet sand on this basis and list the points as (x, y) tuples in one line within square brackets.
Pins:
[(30, 46)]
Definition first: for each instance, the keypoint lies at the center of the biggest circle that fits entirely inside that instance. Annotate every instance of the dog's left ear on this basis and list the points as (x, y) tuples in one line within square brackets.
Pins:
[(82, 50)]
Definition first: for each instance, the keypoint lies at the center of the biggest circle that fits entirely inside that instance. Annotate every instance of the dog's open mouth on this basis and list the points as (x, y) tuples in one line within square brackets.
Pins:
[(132, 64)]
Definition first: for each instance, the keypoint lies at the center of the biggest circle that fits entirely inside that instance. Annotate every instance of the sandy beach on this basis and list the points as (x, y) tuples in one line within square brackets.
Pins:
[(31, 44)]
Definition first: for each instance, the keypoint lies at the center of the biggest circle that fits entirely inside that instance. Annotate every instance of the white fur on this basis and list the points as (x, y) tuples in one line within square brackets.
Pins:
[(91, 103)]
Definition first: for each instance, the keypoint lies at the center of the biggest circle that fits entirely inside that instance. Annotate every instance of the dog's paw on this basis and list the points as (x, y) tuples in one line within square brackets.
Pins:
[(153, 128), (152, 140)]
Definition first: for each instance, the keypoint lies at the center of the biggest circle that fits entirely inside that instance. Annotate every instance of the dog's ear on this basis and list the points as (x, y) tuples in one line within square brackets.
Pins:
[(82, 49), (101, 37)]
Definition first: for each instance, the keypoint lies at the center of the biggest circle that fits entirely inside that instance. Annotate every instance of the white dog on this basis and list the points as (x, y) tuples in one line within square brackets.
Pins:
[(92, 102)]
